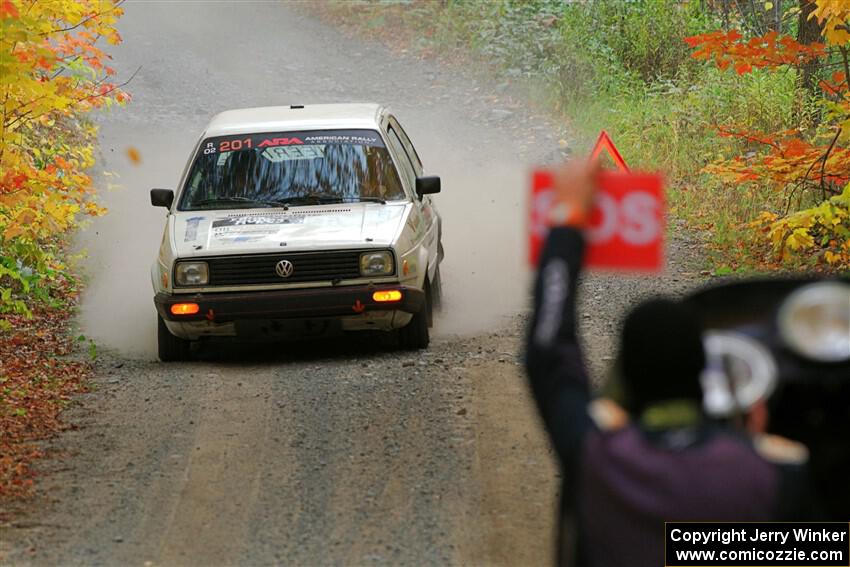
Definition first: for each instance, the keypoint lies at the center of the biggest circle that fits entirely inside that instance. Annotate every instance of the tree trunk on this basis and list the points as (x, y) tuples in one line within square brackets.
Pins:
[(808, 31)]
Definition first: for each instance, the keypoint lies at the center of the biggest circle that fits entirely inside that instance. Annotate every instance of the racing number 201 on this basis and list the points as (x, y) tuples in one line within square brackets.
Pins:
[(234, 145)]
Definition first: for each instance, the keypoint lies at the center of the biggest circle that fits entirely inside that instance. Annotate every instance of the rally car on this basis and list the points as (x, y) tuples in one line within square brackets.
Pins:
[(294, 221)]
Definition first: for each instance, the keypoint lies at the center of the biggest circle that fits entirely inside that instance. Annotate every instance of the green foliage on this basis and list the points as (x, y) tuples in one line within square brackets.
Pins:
[(581, 47), (91, 349), (640, 36)]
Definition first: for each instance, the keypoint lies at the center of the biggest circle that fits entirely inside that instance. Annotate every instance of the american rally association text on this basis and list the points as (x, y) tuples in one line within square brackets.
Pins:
[(726, 536)]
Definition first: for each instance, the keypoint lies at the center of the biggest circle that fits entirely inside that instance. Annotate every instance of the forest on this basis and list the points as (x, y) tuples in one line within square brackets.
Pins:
[(742, 104)]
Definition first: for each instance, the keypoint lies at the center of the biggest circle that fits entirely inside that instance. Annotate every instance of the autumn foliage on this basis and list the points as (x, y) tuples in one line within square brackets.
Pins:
[(807, 168), (727, 48), (52, 72)]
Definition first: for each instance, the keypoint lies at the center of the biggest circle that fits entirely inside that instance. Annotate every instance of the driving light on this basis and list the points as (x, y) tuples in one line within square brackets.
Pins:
[(739, 371), (376, 263), (184, 308), (191, 273), (814, 321), (387, 296)]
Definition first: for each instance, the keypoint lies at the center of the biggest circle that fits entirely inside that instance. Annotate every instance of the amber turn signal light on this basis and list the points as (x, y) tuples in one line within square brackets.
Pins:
[(387, 296), (184, 308)]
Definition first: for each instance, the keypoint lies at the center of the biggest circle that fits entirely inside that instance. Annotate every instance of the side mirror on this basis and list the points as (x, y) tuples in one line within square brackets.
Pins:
[(427, 185), (162, 198)]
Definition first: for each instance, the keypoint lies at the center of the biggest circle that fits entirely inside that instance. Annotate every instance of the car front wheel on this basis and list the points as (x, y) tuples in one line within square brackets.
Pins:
[(415, 335), (170, 348)]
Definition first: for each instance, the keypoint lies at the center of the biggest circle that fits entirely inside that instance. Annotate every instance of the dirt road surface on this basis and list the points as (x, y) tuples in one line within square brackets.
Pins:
[(338, 452)]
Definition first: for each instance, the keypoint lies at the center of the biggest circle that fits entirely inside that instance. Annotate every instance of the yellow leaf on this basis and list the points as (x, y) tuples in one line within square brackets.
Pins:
[(800, 239)]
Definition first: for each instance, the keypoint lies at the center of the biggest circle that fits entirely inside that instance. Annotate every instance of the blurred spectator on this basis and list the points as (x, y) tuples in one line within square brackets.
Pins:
[(627, 468)]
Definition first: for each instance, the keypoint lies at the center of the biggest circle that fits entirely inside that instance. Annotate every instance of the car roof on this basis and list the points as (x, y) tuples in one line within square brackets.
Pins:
[(296, 117)]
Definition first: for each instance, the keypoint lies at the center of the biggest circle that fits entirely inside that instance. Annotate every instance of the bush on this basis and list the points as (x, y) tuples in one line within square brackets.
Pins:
[(644, 37)]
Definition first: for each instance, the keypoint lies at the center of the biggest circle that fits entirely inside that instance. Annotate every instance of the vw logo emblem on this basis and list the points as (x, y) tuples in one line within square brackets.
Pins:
[(284, 268)]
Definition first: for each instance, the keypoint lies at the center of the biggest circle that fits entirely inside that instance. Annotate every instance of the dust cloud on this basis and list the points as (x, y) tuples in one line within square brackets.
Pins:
[(118, 310), (484, 275)]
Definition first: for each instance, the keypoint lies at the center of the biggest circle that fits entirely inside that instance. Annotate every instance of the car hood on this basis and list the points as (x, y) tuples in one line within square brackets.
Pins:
[(346, 225)]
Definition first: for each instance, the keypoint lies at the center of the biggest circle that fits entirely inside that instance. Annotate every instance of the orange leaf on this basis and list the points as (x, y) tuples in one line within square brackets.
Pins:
[(795, 147), (134, 155), (61, 163), (8, 10)]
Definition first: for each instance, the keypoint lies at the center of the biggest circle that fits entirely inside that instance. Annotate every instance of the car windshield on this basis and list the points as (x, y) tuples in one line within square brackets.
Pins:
[(291, 169)]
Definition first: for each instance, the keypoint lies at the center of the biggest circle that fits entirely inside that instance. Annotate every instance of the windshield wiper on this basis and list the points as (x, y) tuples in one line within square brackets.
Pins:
[(314, 198), (368, 200), (282, 203), (218, 200), (321, 199)]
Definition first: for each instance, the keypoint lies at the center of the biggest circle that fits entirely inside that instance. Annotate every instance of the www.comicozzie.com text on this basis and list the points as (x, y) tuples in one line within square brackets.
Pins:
[(727, 536)]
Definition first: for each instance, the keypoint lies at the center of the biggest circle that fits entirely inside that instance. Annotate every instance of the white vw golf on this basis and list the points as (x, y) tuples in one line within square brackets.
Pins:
[(298, 221)]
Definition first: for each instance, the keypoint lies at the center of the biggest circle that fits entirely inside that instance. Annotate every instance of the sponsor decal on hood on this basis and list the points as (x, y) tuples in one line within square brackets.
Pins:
[(322, 226)]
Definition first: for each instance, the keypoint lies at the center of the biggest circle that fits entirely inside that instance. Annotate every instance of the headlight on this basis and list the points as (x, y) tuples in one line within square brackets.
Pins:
[(814, 321), (191, 273), (376, 263), (739, 372)]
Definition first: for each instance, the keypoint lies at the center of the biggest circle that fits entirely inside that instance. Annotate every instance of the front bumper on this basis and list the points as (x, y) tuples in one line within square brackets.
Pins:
[(325, 302)]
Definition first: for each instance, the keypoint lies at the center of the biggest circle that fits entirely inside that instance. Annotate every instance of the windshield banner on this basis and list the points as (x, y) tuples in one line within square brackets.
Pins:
[(263, 140)]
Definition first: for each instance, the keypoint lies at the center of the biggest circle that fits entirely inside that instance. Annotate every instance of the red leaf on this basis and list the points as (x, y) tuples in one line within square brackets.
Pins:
[(693, 40), (743, 68)]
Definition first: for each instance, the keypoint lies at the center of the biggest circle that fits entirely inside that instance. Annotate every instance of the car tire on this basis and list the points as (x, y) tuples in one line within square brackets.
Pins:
[(170, 348), (415, 335), (437, 292)]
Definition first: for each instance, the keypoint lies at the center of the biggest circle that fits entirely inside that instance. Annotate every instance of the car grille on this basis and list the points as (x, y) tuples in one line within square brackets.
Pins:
[(307, 267)]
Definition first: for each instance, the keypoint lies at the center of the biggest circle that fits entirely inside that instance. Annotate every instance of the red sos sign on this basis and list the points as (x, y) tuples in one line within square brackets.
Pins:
[(625, 229)]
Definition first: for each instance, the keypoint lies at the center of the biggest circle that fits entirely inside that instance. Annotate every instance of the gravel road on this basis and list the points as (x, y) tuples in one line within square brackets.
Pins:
[(337, 452)]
